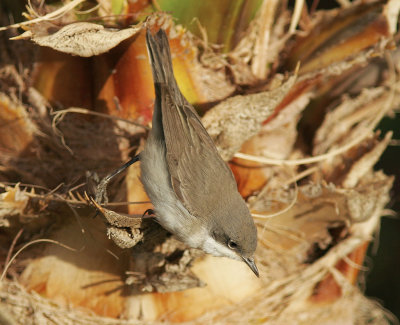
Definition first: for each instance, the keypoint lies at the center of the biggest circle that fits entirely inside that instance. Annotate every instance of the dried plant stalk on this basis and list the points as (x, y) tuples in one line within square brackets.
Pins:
[(302, 148)]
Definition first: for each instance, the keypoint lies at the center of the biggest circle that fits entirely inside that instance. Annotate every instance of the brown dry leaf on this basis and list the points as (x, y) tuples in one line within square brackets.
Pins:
[(328, 290), (276, 140), (340, 35), (305, 232), (228, 282), (111, 82), (366, 162), (346, 116), (95, 277), (17, 129), (13, 202), (280, 132), (123, 230), (238, 118), (261, 46), (81, 39), (51, 16), (356, 163), (391, 11), (161, 264), (266, 34)]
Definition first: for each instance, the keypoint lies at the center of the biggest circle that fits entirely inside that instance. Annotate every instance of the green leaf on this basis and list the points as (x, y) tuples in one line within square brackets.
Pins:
[(223, 20), (117, 6)]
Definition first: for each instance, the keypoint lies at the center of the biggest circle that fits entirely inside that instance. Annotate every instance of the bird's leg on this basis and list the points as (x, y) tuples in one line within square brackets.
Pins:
[(101, 190)]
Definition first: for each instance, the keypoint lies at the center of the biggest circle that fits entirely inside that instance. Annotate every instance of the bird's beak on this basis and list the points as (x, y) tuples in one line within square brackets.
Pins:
[(252, 265)]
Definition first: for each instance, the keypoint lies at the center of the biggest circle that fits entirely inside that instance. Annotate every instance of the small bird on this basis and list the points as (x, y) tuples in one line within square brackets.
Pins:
[(193, 191)]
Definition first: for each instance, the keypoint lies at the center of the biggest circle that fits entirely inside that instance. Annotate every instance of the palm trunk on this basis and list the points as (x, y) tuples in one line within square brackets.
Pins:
[(293, 112)]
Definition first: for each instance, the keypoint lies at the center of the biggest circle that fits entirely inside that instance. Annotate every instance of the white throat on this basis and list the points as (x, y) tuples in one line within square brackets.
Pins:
[(211, 246)]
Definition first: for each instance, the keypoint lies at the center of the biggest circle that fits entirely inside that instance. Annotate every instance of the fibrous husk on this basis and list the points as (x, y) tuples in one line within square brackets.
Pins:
[(314, 222), (82, 39), (238, 118)]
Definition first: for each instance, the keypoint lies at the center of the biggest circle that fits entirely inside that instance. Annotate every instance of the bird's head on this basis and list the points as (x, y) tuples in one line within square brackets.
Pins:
[(233, 234)]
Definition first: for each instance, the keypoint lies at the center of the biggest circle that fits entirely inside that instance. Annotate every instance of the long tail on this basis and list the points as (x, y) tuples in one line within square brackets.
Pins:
[(160, 58), (165, 85)]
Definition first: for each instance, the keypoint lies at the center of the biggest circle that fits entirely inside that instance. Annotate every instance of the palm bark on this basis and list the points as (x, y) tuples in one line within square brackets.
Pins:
[(294, 114)]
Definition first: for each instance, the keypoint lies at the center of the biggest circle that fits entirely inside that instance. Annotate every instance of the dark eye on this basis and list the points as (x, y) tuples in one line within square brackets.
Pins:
[(232, 244)]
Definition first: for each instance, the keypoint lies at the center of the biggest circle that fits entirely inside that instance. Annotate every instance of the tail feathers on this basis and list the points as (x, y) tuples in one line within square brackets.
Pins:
[(160, 58)]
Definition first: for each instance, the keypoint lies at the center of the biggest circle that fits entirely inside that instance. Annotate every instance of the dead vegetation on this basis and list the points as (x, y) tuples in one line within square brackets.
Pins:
[(301, 140)]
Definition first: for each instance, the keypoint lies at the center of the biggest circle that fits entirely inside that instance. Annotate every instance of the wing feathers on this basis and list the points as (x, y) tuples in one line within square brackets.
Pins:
[(199, 176)]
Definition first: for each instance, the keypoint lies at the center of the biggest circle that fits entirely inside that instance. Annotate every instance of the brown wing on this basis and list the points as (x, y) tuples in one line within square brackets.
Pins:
[(199, 176)]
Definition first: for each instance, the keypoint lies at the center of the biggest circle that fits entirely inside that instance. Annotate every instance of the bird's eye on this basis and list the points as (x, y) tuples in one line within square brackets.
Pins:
[(232, 244)]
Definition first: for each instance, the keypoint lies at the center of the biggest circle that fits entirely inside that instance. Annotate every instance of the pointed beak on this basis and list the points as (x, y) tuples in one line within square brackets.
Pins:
[(252, 265)]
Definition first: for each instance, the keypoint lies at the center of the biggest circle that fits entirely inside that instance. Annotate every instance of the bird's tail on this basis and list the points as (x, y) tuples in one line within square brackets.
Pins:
[(160, 58)]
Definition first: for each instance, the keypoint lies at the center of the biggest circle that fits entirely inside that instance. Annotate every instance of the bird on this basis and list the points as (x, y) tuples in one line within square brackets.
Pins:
[(193, 191)]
